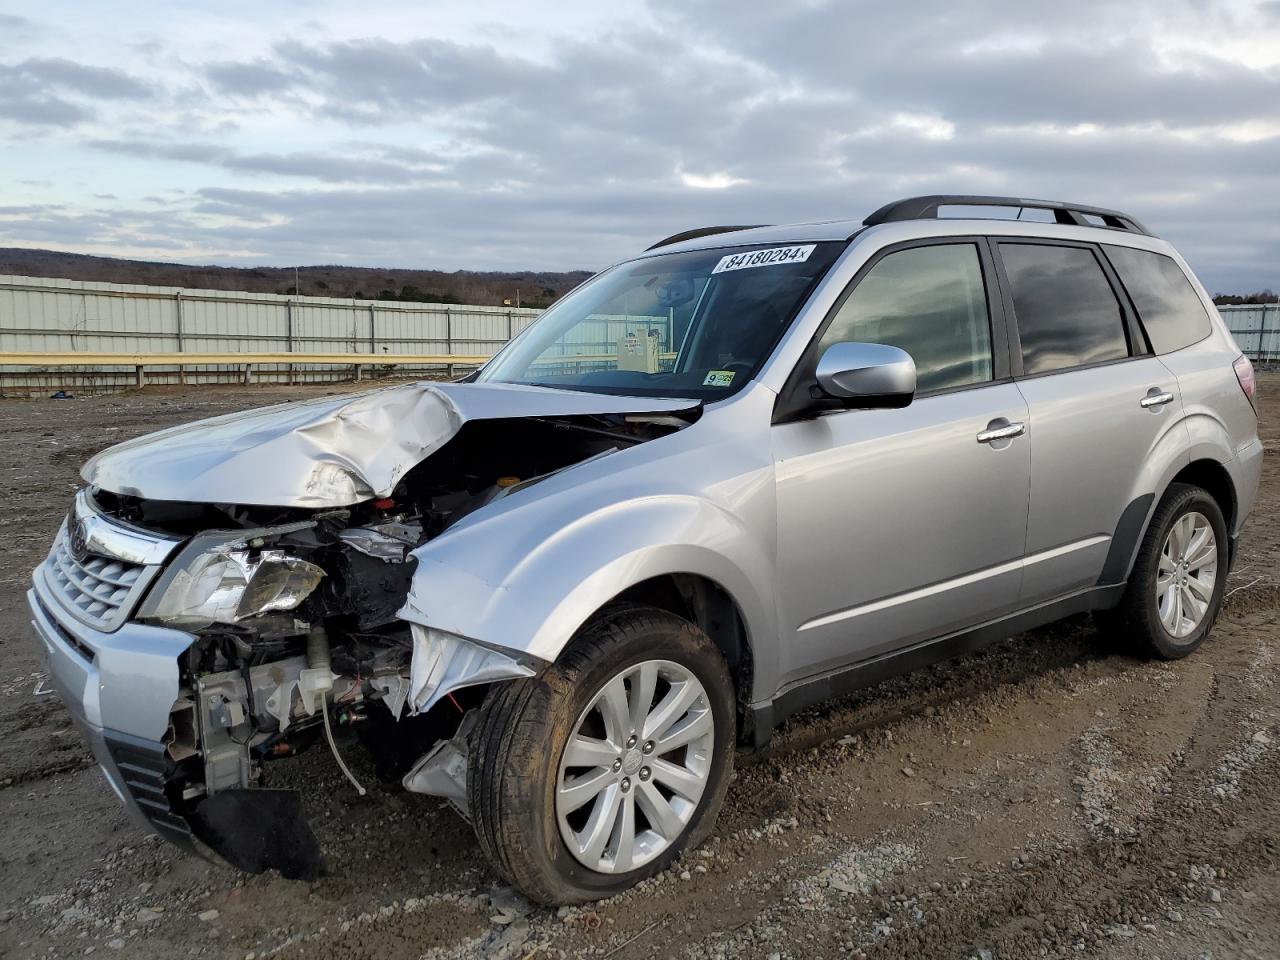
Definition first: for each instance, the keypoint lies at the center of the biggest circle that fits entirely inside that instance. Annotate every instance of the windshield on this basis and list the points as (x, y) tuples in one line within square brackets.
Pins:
[(696, 324)]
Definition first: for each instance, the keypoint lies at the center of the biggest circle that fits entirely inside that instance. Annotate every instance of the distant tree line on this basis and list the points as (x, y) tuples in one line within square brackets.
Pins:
[(528, 288), (1233, 299)]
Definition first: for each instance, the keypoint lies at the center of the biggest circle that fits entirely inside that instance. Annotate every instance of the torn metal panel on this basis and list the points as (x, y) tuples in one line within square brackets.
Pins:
[(442, 771), (443, 662), (332, 452)]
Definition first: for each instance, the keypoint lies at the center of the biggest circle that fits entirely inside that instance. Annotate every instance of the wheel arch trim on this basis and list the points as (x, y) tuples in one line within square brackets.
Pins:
[(1207, 473)]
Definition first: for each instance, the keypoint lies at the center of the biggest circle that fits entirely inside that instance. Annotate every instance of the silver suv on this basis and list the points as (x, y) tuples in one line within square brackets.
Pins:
[(747, 470)]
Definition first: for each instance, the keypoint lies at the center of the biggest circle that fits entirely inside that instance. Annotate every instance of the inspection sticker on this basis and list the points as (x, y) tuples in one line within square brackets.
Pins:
[(763, 258), (719, 378)]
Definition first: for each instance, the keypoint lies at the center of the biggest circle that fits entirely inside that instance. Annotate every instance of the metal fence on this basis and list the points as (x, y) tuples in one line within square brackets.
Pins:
[(66, 316), (1256, 329)]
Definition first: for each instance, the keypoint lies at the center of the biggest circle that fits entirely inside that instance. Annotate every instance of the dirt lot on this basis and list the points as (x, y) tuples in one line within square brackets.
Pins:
[(1047, 797)]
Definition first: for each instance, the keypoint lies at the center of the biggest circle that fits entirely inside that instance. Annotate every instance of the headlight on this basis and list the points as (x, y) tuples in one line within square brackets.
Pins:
[(226, 585)]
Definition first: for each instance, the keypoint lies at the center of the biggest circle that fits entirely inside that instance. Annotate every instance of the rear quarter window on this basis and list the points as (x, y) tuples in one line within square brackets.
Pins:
[(1170, 310)]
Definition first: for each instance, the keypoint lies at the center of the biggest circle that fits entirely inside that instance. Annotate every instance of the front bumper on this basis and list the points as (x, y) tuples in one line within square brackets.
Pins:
[(119, 688)]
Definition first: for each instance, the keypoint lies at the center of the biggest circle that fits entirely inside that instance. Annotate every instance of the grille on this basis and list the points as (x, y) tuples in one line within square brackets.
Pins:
[(100, 591), (144, 770)]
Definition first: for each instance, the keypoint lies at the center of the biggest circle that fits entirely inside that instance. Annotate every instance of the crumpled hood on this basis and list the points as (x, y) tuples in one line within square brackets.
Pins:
[(330, 452)]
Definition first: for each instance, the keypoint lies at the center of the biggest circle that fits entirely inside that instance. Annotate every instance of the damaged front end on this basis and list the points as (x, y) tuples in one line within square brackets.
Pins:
[(284, 621)]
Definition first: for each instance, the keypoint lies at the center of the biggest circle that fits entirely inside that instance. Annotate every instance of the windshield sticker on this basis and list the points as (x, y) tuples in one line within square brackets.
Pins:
[(763, 258), (719, 378)]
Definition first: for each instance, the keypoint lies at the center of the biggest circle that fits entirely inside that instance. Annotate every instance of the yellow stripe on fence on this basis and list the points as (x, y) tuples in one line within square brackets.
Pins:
[(14, 359), (247, 361)]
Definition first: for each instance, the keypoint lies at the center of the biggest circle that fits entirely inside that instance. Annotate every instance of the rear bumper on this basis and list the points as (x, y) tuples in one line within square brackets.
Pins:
[(119, 689), (1246, 471)]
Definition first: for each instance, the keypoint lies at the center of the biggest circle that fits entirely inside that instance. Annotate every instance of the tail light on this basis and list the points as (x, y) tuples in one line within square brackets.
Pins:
[(1248, 383)]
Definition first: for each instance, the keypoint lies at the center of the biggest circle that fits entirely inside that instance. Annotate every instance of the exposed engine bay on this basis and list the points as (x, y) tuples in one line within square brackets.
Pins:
[(298, 640)]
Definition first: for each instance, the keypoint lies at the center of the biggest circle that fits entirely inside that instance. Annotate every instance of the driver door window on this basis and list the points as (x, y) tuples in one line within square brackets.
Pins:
[(931, 302)]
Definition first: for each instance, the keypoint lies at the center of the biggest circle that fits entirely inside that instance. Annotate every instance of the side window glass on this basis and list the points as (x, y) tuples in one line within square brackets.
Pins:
[(1066, 311), (931, 302), (1170, 310)]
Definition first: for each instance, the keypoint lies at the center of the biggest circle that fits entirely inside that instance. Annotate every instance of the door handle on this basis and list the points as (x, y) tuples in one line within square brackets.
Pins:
[(1006, 432), (1155, 398)]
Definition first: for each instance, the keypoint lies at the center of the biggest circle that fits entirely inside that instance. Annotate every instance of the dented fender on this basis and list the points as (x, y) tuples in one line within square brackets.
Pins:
[(524, 574)]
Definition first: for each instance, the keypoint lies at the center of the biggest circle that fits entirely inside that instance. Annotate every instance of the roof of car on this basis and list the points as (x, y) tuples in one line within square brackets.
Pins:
[(1070, 216)]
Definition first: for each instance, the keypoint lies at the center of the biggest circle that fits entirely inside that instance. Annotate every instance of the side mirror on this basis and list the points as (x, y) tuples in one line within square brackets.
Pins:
[(867, 375)]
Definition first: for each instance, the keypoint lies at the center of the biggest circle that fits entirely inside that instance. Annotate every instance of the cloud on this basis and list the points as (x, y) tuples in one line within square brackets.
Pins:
[(402, 141), (357, 165), (46, 91), (248, 79), (11, 23), (100, 83)]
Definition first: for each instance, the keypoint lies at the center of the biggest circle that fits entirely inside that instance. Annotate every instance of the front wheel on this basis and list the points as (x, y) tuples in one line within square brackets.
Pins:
[(1175, 590), (602, 770)]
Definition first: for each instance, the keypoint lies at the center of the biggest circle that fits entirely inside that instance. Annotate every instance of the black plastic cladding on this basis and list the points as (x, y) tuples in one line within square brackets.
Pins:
[(1069, 214)]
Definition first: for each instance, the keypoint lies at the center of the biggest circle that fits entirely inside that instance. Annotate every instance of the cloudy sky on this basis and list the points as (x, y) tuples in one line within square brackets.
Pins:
[(567, 135)]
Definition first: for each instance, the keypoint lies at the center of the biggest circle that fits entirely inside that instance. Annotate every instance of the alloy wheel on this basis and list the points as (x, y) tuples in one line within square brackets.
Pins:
[(635, 766), (1187, 574)]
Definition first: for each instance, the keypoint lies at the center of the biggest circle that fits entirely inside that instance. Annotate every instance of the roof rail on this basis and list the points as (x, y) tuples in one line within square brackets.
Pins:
[(1072, 214), (700, 232)]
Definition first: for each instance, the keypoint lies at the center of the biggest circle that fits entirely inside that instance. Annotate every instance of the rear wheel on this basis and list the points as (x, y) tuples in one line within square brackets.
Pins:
[(1175, 590), (601, 771)]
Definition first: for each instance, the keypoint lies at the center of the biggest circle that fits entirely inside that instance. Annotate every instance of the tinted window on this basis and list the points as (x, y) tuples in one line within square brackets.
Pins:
[(930, 301), (1171, 312), (1067, 313)]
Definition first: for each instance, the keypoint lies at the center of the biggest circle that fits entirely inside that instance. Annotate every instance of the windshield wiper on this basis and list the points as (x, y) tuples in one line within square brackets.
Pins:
[(583, 428)]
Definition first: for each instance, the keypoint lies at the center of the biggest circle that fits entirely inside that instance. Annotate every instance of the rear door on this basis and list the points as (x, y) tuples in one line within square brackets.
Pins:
[(1098, 403)]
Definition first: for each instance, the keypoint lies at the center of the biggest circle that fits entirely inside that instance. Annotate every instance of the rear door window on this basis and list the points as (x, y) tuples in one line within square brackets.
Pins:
[(1067, 314), (1171, 312)]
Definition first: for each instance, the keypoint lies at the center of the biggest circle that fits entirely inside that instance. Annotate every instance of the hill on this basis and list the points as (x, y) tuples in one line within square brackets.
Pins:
[(490, 288)]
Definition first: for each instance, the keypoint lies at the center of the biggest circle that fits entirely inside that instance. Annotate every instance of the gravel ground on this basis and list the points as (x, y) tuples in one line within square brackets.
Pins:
[(1046, 797)]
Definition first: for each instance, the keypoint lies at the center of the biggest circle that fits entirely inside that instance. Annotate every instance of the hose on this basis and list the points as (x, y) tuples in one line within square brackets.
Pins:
[(328, 732), (318, 659)]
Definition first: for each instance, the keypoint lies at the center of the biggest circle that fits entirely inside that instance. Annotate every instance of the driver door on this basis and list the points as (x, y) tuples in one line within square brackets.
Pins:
[(898, 526)]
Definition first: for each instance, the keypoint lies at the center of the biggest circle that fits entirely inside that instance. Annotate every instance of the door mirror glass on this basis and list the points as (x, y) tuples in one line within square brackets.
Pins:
[(867, 374)]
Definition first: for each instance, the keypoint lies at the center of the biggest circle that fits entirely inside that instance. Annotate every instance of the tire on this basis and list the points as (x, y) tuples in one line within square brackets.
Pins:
[(1138, 619), (516, 783)]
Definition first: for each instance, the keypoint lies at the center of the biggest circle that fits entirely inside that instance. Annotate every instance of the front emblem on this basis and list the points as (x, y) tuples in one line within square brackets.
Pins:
[(77, 539)]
